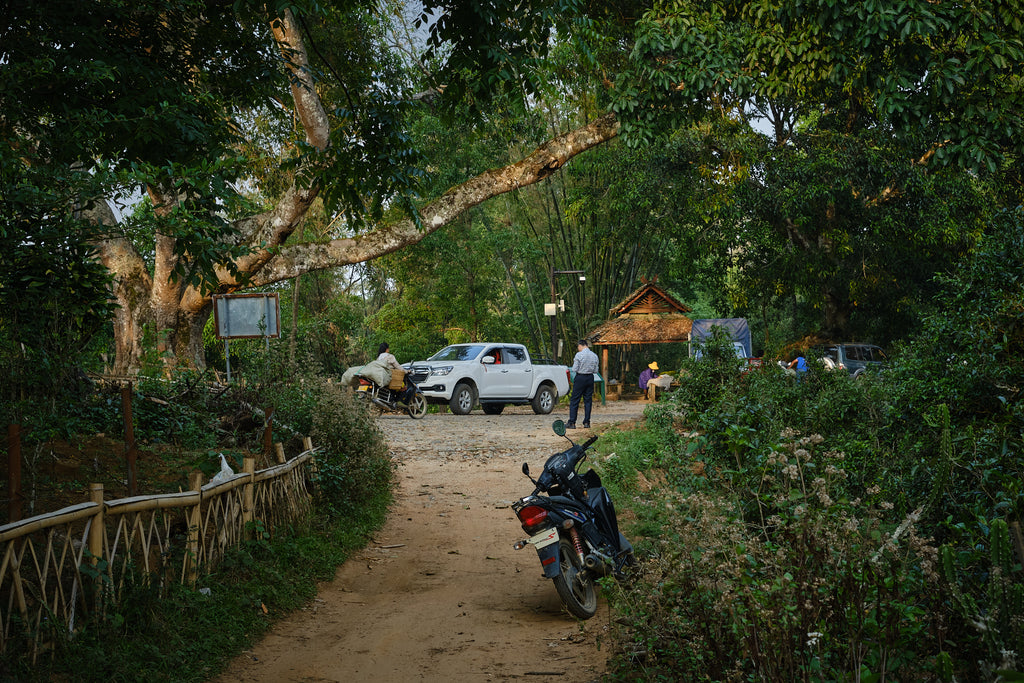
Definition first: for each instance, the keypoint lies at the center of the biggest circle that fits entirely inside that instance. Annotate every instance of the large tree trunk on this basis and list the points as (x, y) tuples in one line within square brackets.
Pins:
[(174, 315)]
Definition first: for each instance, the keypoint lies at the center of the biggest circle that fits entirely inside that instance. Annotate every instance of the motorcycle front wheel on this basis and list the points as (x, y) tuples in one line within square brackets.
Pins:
[(417, 406), (574, 585)]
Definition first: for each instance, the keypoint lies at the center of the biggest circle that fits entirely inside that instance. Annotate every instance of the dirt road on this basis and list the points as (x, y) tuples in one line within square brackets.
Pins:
[(440, 594)]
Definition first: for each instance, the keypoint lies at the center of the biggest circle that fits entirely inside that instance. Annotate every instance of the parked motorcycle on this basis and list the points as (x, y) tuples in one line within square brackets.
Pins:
[(573, 527), (387, 399)]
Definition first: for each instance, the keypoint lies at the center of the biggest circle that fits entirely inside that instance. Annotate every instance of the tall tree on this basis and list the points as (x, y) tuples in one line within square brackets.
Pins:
[(174, 92), (856, 197), (166, 113)]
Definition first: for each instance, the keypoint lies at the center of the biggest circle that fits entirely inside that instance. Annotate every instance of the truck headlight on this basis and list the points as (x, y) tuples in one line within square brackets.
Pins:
[(442, 371)]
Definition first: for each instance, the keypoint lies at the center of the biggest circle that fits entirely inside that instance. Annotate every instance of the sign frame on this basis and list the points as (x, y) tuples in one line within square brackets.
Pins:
[(235, 315)]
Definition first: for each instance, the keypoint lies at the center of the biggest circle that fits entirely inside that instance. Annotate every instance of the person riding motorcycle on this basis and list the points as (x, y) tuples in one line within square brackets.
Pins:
[(388, 359)]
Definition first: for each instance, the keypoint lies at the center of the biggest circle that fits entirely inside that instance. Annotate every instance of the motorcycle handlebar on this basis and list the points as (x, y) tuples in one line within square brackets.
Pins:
[(581, 451)]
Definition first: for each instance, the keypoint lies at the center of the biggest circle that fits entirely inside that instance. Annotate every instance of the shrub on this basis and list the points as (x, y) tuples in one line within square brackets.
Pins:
[(816, 587), (353, 461)]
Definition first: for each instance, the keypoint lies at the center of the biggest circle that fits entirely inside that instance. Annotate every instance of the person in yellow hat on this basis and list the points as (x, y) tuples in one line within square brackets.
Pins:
[(649, 373)]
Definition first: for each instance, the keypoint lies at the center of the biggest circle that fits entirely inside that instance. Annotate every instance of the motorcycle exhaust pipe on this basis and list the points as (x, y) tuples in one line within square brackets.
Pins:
[(381, 403), (598, 564)]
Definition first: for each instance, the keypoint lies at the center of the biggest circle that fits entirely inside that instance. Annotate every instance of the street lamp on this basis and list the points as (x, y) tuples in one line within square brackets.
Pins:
[(552, 309)]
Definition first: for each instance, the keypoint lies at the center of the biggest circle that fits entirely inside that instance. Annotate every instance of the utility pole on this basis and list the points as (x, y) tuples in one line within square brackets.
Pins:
[(551, 310)]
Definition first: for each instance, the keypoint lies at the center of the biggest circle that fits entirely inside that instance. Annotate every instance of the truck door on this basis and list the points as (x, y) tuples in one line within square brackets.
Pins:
[(494, 384), (519, 372)]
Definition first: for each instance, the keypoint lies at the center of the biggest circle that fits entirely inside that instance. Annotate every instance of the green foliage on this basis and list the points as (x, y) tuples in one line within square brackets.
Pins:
[(883, 548), (54, 300), (353, 465), (987, 595), (162, 631), (940, 77), (816, 586), (841, 226), (969, 359), (484, 46)]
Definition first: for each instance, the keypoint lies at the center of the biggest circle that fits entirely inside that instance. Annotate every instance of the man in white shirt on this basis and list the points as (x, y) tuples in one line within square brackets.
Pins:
[(584, 365)]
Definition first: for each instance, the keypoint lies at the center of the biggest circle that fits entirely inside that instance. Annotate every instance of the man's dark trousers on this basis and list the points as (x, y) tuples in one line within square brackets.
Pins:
[(582, 387)]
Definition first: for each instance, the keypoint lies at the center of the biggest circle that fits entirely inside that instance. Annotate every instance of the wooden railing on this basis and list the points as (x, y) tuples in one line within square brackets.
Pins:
[(56, 568)]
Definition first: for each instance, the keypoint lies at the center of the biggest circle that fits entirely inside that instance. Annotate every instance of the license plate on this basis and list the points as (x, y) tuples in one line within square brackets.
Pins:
[(545, 538), (363, 387)]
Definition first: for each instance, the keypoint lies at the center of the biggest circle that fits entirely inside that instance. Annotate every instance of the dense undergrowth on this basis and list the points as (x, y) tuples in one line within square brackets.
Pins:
[(163, 631), (831, 529)]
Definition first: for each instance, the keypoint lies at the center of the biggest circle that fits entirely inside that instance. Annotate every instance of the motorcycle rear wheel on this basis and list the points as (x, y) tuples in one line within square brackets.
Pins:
[(574, 584), (417, 406)]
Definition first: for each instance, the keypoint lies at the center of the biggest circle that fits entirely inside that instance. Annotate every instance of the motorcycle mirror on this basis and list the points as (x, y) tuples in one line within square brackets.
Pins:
[(526, 469), (558, 427)]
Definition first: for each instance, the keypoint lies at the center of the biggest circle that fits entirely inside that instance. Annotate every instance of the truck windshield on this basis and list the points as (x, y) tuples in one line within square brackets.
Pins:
[(458, 352)]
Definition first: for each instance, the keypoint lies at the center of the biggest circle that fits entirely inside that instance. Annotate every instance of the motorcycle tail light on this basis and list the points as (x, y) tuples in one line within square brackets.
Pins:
[(365, 382), (532, 516)]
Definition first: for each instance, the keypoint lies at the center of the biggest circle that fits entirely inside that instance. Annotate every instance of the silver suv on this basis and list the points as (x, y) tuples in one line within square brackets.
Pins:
[(854, 358)]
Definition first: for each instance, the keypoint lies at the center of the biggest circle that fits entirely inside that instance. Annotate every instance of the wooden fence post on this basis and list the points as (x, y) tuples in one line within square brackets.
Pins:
[(314, 470), (129, 437), (14, 473), (195, 483), (268, 433), (279, 453), (96, 532), (249, 467), (96, 526)]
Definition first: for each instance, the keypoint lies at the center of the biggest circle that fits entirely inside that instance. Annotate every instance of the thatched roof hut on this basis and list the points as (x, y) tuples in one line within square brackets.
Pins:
[(649, 315)]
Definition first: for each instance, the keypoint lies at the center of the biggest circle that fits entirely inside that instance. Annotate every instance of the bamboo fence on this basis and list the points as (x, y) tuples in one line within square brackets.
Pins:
[(57, 567)]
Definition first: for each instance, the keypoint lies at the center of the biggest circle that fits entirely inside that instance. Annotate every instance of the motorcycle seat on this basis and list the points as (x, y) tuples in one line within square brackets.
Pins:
[(569, 502)]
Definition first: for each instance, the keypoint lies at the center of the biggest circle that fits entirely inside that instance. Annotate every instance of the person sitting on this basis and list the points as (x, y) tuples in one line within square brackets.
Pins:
[(649, 373), (385, 356)]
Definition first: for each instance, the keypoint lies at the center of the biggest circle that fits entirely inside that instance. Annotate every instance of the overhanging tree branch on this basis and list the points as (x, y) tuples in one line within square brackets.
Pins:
[(293, 260)]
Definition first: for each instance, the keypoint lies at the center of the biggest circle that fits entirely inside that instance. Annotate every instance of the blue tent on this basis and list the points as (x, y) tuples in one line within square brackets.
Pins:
[(736, 328)]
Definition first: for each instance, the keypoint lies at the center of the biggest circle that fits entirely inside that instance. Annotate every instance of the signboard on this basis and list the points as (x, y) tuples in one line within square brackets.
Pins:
[(247, 316)]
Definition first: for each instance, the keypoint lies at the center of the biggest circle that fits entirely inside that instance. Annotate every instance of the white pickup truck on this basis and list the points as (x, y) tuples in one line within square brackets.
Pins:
[(493, 375)]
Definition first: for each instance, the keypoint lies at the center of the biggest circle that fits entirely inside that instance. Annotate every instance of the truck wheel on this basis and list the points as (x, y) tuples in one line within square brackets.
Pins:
[(544, 402), (493, 408), (463, 399)]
